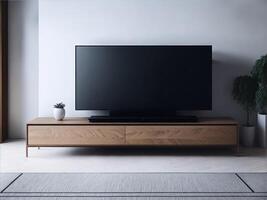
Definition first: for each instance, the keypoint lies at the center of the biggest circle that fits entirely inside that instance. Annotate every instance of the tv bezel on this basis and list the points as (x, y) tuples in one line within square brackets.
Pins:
[(142, 112)]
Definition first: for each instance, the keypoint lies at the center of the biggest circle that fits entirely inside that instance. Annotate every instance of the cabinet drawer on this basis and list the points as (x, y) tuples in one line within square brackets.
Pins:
[(75, 135), (181, 135)]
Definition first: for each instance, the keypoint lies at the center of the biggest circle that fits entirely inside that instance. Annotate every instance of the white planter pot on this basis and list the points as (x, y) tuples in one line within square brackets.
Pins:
[(247, 136), (262, 130), (59, 113)]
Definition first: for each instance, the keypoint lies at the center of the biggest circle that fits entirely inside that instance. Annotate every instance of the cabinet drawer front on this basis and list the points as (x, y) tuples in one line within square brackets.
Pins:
[(75, 135), (181, 135)]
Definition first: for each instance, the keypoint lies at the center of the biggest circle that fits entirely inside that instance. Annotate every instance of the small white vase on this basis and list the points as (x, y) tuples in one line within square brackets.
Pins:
[(262, 130), (247, 136), (59, 113)]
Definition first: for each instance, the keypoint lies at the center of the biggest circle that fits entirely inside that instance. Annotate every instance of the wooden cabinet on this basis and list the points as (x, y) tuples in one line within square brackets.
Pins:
[(47, 132), (181, 135), (75, 135)]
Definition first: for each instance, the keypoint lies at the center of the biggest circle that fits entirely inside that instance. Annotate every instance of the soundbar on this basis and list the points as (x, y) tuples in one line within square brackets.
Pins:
[(143, 119)]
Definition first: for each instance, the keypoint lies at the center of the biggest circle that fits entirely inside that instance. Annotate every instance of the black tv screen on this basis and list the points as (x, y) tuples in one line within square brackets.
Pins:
[(143, 78)]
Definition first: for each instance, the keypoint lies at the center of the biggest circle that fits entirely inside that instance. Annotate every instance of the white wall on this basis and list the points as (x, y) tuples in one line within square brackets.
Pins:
[(236, 29), (22, 65)]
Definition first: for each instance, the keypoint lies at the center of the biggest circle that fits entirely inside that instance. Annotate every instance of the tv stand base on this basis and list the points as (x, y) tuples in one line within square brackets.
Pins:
[(143, 119), (79, 132)]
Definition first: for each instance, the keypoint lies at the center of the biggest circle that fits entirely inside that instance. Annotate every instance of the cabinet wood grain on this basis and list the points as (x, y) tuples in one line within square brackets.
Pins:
[(75, 135), (47, 132), (181, 135), (85, 121)]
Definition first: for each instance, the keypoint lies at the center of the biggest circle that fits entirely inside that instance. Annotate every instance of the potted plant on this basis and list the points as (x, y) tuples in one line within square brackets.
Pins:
[(244, 91), (259, 72), (59, 111)]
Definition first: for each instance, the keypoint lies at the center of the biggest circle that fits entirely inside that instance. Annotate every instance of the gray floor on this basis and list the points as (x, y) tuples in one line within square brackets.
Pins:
[(257, 182), (139, 186), (120, 160), (6, 179)]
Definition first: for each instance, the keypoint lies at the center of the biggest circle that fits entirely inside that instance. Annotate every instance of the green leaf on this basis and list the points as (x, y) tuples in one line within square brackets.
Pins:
[(261, 98), (259, 71), (244, 92)]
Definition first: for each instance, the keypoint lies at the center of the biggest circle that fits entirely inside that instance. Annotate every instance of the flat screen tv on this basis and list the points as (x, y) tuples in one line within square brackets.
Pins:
[(142, 79)]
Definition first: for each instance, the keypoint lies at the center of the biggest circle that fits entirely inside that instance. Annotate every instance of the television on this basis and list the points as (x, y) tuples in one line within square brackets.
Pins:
[(143, 79)]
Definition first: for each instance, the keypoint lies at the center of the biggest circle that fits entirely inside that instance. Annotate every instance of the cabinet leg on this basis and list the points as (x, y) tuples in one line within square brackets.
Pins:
[(27, 151), (237, 151)]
